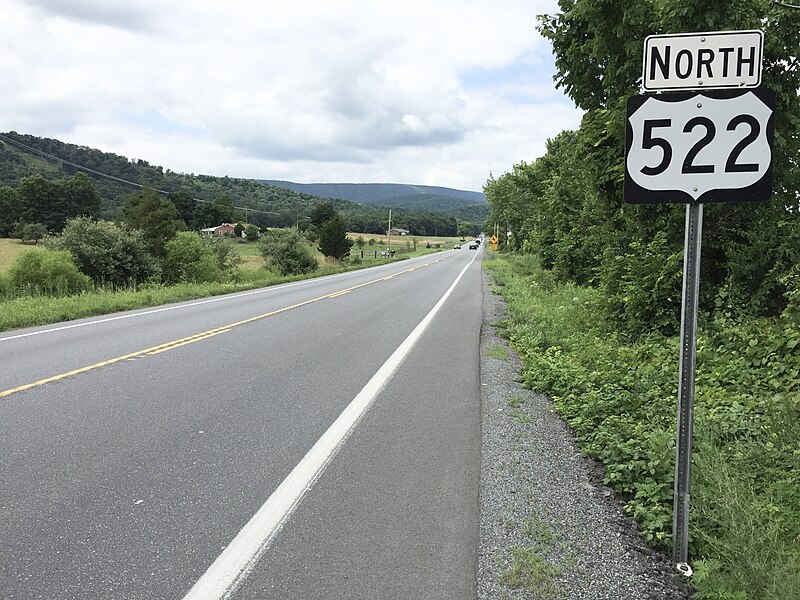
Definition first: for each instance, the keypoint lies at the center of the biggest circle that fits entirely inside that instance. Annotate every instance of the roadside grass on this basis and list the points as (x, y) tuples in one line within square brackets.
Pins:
[(529, 566), (619, 398), (516, 401), (497, 351), (30, 311)]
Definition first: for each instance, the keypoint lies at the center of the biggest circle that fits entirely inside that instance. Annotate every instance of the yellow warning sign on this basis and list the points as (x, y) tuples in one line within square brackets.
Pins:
[(493, 239)]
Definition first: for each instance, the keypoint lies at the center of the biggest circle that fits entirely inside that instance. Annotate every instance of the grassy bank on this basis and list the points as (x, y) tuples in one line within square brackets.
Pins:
[(619, 398), (29, 311)]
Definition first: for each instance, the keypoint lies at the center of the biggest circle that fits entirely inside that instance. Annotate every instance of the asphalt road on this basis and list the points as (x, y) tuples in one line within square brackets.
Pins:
[(142, 455)]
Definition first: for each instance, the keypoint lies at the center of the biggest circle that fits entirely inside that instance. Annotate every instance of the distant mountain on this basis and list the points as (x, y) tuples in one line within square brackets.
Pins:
[(378, 193), (461, 204)]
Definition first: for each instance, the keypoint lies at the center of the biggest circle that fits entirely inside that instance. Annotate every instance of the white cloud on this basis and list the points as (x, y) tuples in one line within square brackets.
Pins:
[(433, 92)]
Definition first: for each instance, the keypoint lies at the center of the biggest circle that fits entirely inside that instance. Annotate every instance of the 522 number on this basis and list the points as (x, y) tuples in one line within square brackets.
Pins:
[(689, 167)]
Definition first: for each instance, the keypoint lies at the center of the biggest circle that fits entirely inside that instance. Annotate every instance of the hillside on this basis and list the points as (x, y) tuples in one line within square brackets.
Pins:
[(461, 204), (272, 205)]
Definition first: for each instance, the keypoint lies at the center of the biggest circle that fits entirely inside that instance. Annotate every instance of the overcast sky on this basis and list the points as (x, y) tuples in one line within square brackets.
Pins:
[(434, 92)]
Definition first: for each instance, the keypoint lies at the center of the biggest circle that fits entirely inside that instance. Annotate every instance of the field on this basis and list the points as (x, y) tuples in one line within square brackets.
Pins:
[(9, 250), (404, 246)]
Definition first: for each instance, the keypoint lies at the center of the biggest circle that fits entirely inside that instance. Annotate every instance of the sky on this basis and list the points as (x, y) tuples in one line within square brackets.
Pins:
[(427, 92)]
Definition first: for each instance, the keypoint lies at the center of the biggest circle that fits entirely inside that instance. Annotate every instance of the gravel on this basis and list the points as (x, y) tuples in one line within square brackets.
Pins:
[(544, 502)]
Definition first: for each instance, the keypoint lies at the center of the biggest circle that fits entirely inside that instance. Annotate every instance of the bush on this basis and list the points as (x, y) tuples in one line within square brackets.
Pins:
[(48, 272), (105, 252), (187, 258), (288, 252)]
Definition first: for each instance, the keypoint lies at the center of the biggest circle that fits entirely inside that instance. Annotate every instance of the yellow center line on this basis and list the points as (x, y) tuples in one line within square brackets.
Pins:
[(204, 335)]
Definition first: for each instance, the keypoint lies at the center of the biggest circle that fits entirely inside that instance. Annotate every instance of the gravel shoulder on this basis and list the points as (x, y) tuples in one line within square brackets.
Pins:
[(549, 529)]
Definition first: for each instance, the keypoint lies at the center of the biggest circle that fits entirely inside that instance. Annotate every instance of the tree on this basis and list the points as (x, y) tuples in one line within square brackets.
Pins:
[(155, 216), (747, 249), (54, 202), (109, 254), (288, 252), (321, 214), (185, 205), (30, 232), (251, 233), (333, 241), (188, 258), (221, 210), (10, 210)]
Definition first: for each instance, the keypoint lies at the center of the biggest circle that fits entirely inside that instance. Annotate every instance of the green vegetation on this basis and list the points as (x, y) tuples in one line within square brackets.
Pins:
[(497, 351), (40, 309), (9, 250), (595, 296), (516, 401), (287, 252), (529, 567), (111, 255), (37, 271), (618, 395), (201, 200), (333, 241)]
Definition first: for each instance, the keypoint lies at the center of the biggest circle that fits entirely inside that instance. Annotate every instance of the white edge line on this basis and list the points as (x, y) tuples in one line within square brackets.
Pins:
[(189, 304), (234, 564)]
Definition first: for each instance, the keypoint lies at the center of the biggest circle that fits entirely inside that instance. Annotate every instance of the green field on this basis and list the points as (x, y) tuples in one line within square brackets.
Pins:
[(9, 250)]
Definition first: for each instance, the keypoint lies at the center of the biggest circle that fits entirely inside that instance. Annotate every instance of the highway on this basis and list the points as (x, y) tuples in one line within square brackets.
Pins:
[(319, 439)]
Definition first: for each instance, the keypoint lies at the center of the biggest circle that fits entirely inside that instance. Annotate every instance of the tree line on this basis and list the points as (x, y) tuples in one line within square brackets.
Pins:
[(567, 207), (264, 205)]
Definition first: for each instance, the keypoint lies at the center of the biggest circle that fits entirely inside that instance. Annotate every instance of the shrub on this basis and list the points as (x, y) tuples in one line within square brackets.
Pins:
[(288, 252), (48, 272), (188, 258), (107, 253)]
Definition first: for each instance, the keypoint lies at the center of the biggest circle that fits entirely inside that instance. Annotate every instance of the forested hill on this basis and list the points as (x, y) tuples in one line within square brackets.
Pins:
[(462, 204), (272, 205), (379, 193)]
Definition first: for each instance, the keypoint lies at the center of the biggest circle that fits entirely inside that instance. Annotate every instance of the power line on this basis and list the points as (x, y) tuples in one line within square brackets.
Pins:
[(49, 156)]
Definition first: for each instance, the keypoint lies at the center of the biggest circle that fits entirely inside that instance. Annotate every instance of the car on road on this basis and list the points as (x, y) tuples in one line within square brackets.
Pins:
[(473, 246), (456, 247)]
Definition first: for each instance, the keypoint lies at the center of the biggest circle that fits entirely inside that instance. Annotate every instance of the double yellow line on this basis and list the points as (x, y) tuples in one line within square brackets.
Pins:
[(205, 334)]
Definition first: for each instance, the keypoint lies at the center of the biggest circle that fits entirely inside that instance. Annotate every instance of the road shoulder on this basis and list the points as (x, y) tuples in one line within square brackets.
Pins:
[(549, 528)]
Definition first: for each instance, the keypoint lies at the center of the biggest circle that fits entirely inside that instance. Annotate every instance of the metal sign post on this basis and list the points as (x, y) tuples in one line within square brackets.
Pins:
[(702, 144), (683, 464)]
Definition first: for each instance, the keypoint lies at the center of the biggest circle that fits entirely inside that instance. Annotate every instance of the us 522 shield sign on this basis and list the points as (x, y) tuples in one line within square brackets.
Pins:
[(705, 146)]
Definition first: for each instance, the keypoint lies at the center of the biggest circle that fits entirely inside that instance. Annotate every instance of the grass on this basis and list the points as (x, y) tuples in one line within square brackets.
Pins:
[(531, 571), (9, 250), (528, 566), (402, 245), (31, 311), (516, 401), (497, 351), (41, 310), (519, 417)]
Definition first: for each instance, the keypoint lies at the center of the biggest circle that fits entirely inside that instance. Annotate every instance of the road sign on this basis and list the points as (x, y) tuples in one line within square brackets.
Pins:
[(493, 239), (717, 59), (709, 146)]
